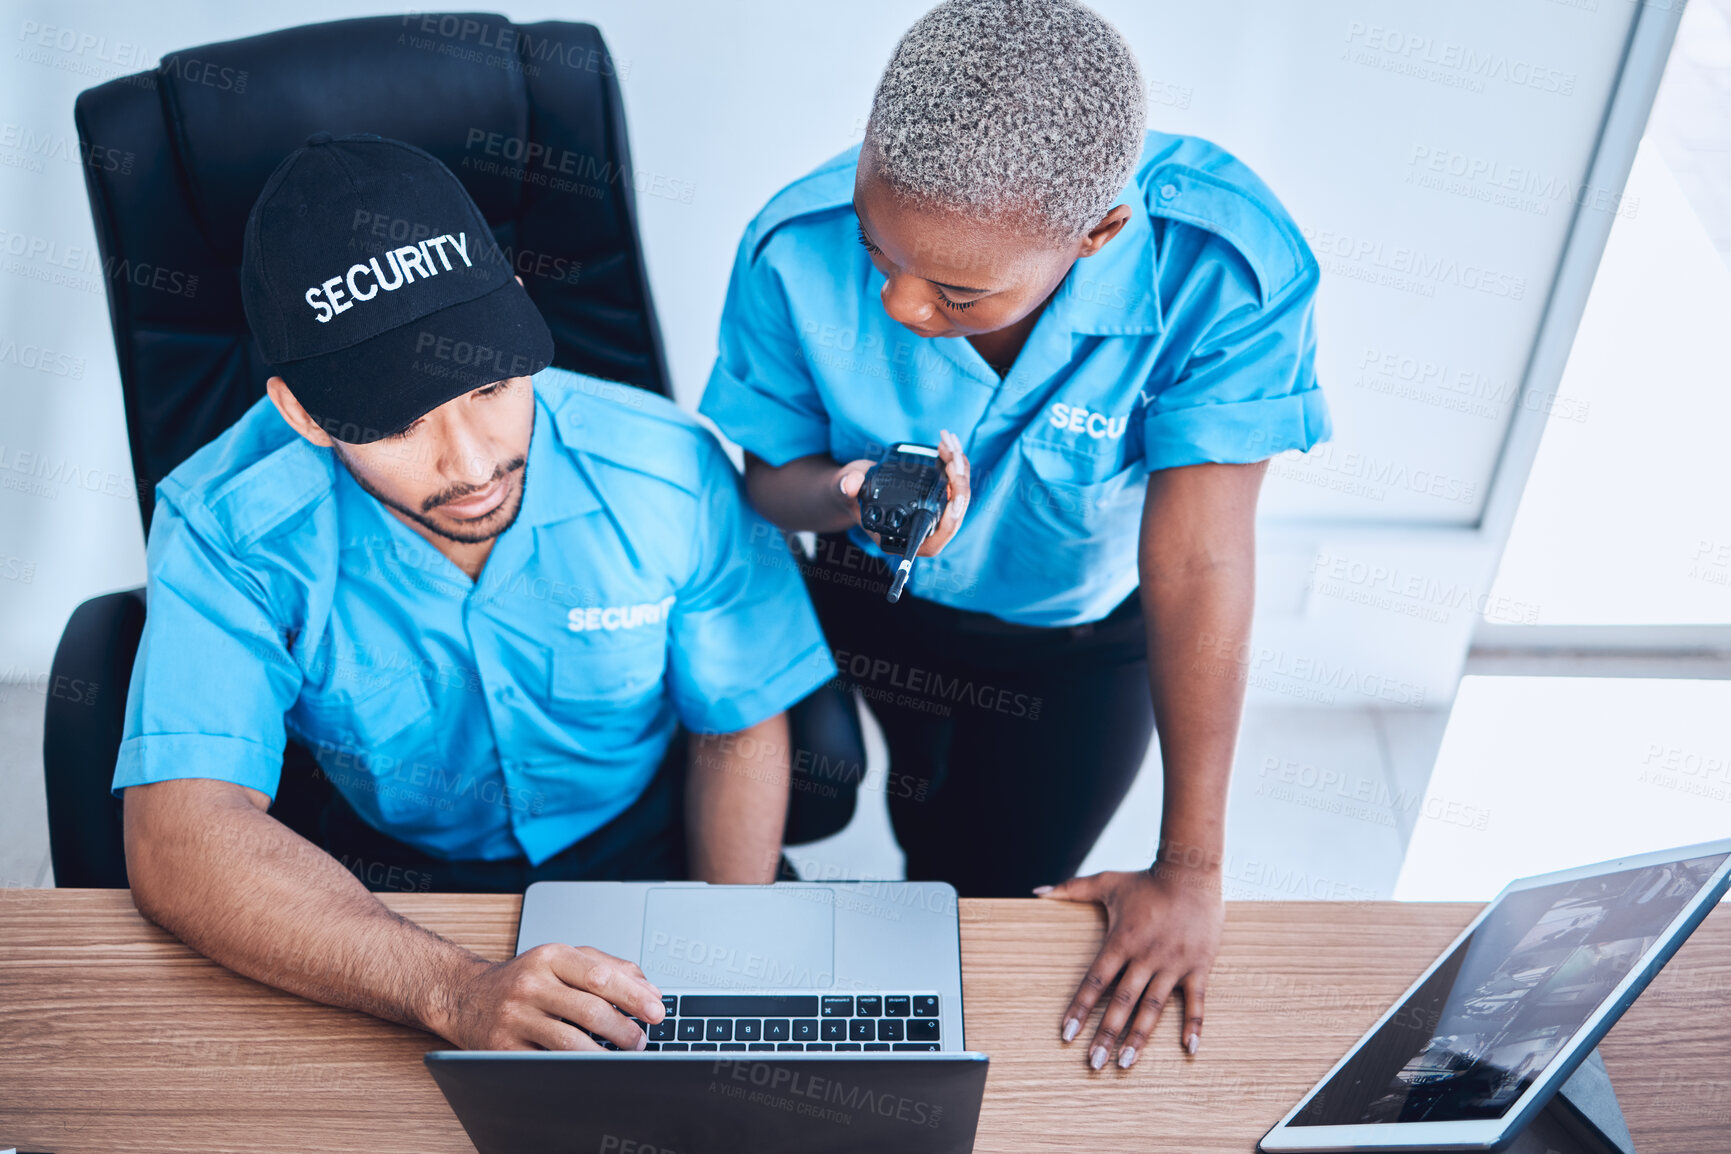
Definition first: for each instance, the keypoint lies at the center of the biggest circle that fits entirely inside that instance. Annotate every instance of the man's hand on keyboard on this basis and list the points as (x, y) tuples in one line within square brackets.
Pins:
[(553, 997), (1162, 934)]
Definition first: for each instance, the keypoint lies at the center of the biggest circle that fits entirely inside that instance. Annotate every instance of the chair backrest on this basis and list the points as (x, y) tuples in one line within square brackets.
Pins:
[(529, 117)]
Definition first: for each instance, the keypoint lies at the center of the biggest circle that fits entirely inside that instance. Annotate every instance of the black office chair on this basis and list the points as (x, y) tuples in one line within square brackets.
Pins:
[(529, 117)]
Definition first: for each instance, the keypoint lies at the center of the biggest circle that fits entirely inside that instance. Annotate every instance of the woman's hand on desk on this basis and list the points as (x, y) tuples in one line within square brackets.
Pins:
[(1162, 934), (538, 999)]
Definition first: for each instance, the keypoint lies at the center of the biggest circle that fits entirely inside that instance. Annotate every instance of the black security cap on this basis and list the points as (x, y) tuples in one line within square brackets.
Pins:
[(375, 289)]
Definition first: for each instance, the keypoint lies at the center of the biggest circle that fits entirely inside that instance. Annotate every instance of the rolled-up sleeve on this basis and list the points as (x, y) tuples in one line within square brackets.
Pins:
[(761, 394), (213, 676), (745, 642), (1248, 390)]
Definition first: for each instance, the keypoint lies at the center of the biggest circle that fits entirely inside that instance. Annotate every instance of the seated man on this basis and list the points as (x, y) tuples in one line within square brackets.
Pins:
[(485, 600)]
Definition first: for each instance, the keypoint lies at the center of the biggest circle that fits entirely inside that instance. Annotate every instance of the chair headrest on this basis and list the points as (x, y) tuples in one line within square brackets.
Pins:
[(237, 108)]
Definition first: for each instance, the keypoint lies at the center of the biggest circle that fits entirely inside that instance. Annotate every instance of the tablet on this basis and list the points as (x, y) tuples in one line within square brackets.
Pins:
[(1477, 1046)]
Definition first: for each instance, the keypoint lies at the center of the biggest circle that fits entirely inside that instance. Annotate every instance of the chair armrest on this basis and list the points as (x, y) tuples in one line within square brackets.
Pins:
[(86, 707), (828, 765)]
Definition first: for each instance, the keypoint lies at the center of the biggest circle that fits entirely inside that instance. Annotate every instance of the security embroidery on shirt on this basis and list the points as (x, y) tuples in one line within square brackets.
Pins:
[(1076, 419), (581, 620)]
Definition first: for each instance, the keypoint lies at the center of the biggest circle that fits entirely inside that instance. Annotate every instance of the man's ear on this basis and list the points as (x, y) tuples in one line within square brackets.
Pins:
[(1110, 225), (298, 418)]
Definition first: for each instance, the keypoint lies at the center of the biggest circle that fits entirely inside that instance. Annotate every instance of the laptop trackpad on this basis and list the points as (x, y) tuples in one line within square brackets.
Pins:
[(739, 937)]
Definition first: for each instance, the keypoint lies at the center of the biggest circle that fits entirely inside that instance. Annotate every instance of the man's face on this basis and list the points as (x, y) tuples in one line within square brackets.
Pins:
[(459, 470)]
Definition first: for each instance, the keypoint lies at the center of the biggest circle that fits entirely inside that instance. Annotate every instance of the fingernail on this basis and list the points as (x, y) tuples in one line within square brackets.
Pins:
[(1097, 1057), (1042, 891), (1193, 1041), (1126, 1057), (1070, 1028), (642, 1041)]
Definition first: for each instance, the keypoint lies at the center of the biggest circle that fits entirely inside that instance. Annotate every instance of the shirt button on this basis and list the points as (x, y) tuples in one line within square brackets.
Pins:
[(504, 693), (1168, 191)]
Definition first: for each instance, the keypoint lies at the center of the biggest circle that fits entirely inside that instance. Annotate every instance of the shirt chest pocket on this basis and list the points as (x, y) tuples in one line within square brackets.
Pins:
[(363, 718), (1079, 497), (608, 685)]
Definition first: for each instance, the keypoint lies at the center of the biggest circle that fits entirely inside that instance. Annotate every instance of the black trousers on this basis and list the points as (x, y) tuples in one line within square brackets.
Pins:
[(1010, 747), (645, 843)]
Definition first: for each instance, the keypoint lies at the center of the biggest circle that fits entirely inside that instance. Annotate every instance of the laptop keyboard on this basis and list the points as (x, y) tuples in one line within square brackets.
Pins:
[(796, 1022)]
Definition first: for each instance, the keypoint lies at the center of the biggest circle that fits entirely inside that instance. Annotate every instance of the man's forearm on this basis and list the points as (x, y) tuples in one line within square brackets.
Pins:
[(736, 802), (211, 867), (800, 496)]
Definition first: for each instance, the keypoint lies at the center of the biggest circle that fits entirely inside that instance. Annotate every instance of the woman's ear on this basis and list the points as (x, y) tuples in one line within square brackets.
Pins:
[(298, 418), (1110, 225)]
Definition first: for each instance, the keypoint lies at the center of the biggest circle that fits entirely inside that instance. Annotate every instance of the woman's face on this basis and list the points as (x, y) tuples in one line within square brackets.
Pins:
[(952, 274)]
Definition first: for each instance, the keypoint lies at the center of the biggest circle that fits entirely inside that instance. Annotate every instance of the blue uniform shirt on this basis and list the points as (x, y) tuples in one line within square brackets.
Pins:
[(1188, 338), (512, 714)]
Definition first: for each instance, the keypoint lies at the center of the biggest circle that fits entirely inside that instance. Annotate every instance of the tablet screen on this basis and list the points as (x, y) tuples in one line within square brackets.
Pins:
[(1471, 1039)]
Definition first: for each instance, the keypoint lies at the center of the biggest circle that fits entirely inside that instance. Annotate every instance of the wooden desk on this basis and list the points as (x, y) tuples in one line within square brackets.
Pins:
[(115, 1037)]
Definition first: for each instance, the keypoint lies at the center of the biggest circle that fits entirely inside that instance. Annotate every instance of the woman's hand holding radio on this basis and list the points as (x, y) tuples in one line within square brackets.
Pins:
[(849, 478)]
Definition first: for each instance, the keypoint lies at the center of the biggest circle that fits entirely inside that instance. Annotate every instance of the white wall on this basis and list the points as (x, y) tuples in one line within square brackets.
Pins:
[(1340, 105)]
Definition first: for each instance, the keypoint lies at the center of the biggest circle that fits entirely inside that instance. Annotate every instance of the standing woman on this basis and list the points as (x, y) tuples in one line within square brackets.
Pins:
[(1108, 332)]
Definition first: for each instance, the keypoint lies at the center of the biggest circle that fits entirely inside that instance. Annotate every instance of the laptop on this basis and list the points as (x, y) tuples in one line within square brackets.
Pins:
[(800, 1016)]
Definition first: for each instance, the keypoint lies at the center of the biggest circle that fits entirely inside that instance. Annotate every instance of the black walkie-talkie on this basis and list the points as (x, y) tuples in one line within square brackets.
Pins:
[(902, 500)]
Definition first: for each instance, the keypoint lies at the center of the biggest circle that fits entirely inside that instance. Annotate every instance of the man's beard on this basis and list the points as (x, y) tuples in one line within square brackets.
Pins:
[(454, 493)]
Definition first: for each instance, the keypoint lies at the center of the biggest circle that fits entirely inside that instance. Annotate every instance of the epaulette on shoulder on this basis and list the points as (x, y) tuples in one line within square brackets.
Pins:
[(825, 188), (634, 429), (1201, 184)]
